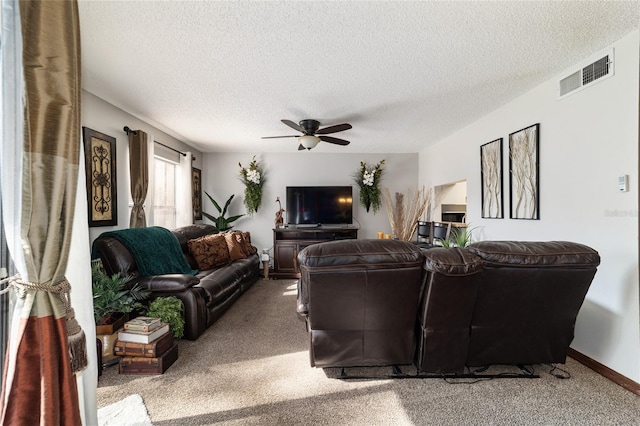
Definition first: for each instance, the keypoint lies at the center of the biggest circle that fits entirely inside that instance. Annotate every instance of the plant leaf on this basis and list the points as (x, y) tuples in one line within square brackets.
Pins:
[(211, 218), (216, 204), (226, 205), (233, 218)]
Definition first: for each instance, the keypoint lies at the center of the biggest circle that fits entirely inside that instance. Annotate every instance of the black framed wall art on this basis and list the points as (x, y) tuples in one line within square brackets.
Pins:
[(524, 176), (196, 186), (100, 163), (491, 178)]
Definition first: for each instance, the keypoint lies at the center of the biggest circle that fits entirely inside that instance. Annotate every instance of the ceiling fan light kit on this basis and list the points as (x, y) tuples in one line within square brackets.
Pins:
[(309, 129), (308, 141)]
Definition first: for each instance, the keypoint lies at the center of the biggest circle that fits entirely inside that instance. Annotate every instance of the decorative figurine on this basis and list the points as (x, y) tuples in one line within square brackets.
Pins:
[(279, 221)]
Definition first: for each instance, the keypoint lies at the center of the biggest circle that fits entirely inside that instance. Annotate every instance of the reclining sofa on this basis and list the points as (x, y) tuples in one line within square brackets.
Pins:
[(492, 303), (205, 293)]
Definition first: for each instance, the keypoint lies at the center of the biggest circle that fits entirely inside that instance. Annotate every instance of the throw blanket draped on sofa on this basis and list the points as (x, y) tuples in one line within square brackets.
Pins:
[(155, 249)]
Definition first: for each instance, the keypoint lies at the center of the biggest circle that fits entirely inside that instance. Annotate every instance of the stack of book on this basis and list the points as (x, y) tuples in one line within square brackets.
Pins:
[(146, 346)]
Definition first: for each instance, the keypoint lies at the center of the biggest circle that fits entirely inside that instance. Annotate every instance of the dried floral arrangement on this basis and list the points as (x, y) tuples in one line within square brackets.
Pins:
[(405, 210)]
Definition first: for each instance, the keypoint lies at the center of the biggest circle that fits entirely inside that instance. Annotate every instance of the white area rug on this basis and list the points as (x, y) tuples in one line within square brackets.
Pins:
[(131, 411)]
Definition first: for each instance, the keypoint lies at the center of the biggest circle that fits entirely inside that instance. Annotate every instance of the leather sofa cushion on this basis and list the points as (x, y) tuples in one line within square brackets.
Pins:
[(452, 261), (115, 257), (191, 232), (221, 283), (365, 253), (210, 251), (528, 253)]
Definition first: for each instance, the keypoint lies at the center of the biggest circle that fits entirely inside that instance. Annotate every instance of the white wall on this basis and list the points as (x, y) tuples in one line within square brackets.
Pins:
[(220, 178), (587, 140), (103, 117)]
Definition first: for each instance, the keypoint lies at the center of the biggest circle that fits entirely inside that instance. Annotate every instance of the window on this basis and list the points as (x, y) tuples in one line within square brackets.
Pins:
[(164, 195)]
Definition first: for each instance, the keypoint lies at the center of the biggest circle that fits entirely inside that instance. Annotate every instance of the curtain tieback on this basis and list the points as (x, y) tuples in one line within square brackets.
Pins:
[(76, 337), (21, 287)]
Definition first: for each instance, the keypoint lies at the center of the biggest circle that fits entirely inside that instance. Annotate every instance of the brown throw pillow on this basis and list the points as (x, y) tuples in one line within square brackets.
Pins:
[(246, 244), (210, 251), (234, 244)]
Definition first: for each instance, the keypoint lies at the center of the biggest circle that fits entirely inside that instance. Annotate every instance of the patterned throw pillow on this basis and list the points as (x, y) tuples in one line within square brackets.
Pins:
[(235, 242), (210, 251), (246, 245)]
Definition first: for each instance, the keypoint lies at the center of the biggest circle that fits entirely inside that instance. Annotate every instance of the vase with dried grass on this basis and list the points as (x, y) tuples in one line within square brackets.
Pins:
[(404, 210)]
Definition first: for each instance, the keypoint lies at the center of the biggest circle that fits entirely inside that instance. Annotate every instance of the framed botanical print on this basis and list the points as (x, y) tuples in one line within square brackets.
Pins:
[(524, 177), (491, 177)]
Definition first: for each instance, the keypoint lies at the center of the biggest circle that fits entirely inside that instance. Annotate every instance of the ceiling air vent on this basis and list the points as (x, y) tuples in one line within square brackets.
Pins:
[(586, 76)]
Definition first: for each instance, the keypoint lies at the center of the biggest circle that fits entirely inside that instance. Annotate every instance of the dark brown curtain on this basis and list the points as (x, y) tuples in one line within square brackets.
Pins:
[(139, 173), (48, 346)]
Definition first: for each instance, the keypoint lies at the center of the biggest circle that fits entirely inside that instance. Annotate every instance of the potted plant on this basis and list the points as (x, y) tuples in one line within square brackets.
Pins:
[(112, 300), (169, 310), (221, 222), (460, 237)]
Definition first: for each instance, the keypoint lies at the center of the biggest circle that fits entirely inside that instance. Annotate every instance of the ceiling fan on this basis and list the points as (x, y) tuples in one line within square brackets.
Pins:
[(311, 128)]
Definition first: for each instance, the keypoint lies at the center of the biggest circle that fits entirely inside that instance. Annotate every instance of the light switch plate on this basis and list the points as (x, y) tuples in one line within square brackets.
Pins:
[(623, 183)]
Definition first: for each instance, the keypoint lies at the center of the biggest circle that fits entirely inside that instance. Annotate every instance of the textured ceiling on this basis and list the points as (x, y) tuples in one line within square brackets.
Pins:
[(219, 75)]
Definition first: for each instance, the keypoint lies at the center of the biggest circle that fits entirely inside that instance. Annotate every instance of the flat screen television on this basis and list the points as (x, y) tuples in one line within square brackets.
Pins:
[(319, 205)]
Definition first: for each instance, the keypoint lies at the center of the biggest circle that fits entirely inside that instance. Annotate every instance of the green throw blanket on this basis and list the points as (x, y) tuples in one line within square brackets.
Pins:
[(155, 249)]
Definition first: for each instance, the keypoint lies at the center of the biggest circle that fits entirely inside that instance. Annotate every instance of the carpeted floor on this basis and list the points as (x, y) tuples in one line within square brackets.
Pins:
[(252, 368)]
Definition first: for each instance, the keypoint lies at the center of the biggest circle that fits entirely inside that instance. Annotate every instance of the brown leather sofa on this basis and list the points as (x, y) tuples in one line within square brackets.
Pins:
[(494, 302), (206, 296), (360, 300), (518, 308)]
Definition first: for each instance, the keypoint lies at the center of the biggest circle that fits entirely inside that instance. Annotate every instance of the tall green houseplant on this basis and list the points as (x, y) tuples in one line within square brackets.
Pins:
[(221, 222)]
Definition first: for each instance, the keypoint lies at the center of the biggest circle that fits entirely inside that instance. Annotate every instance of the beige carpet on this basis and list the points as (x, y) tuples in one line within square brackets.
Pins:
[(252, 368)]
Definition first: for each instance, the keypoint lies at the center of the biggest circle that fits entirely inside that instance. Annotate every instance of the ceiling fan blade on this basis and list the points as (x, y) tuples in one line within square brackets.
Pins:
[(288, 136), (336, 141), (293, 125), (301, 148), (333, 129)]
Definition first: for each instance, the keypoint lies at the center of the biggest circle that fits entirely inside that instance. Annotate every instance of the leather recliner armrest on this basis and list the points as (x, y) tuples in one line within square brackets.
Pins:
[(169, 283)]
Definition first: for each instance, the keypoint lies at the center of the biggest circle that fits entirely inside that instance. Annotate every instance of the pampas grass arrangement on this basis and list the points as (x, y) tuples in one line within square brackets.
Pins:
[(404, 210)]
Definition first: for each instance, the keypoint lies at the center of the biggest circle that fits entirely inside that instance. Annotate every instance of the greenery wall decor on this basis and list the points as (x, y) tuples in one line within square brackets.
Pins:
[(221, 222), (253, 178), (368, 179)]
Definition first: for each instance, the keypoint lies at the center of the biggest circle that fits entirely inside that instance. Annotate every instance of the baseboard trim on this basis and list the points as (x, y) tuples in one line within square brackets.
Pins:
[(605, 371)]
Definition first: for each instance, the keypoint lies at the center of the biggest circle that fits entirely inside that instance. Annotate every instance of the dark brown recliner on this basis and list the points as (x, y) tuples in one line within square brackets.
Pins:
[(528, 300), (360, 300), (518, 302), (446, 308)]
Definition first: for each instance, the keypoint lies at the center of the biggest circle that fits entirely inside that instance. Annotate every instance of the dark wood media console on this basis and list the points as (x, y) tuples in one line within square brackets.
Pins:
[(287, 242)]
